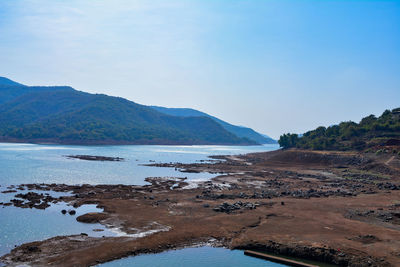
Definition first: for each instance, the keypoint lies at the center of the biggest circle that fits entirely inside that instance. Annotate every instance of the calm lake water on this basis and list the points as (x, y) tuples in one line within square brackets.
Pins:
[(19, 225), (28, 163), (193, 257)]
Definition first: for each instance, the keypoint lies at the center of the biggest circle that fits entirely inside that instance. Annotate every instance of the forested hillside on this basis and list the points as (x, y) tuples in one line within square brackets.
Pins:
[(61, 114), (236, 130), (370, 132)]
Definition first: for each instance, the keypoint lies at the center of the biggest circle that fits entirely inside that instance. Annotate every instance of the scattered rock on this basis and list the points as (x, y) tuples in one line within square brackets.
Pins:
[(9, 191), (33, 249), (228, 208), (96, 158), (92, 217), (71, 212)]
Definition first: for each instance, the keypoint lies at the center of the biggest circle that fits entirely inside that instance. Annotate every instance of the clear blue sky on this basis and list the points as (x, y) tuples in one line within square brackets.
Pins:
[(276, 66)]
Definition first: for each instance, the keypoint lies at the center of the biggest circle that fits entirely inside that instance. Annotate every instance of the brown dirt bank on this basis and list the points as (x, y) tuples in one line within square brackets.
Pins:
[(332, 207)]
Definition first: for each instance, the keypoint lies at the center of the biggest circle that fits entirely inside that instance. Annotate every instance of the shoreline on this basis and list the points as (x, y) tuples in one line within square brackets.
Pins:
[(332, 207), (121, 143)]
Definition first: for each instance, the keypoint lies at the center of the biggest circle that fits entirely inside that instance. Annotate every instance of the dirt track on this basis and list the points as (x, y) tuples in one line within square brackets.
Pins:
[(341, 208)]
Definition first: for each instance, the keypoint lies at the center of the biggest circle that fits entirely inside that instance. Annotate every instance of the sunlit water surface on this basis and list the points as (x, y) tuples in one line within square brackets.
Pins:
[(28, 163)]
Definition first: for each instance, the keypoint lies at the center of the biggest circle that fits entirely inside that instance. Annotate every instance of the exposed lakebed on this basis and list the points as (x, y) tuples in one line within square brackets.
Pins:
[(27, 163), (263, 202)]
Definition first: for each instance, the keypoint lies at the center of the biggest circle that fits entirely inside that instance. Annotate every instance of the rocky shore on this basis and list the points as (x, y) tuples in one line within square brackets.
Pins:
[(335, 207), (96, 158)]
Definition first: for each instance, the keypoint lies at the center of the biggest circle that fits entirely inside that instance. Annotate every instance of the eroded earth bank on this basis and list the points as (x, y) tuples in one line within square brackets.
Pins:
[(335, 207)]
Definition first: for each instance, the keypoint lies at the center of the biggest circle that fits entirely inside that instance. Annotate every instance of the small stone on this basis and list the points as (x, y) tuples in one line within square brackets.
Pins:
[(72, 212)]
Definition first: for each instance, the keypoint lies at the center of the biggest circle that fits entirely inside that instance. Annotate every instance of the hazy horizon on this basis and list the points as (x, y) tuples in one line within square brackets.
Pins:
[(274, 66)]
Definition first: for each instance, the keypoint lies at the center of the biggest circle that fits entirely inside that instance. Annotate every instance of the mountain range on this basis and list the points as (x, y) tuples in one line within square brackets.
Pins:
[(61, 114)]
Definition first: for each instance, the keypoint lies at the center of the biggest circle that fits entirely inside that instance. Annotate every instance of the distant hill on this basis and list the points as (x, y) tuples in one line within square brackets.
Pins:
[(61, 114), (6, 81), (371, 133), (236, 130)]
